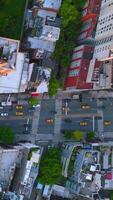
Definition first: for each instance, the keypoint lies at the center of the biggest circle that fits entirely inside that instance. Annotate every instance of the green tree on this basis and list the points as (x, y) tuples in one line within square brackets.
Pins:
[(70, 15), (33, 101), (77, 135), (50, 167), (111, 194), (90, 135), (54, 85), (7, 135)]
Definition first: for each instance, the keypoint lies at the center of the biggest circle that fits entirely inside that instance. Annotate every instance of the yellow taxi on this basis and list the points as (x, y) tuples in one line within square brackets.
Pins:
[(85, 106), (107, 123), (19, 107), (19, 113), (83, 123)]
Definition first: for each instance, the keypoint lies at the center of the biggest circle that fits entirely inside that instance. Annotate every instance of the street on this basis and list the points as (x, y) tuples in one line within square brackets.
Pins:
[(21, 125), (47, 122)]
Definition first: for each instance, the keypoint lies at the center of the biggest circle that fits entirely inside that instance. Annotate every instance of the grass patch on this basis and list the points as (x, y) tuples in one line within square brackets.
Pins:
[(11, 16)]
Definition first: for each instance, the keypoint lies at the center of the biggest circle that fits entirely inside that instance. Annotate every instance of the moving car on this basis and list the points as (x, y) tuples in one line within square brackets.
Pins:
[(83, 123), (19, 107), (49, 120), (19, 113), (107, 123), (85, 106)]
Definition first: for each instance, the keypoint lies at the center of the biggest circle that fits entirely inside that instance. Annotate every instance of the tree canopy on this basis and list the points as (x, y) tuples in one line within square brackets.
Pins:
[(90, 135), (76, 135), (33, 101), (70, 15), (7, 135), (53, 85), (50, 167)]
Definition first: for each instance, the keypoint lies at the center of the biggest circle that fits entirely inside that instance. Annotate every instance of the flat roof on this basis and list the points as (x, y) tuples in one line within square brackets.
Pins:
[(55, 4), (37, 43), (11, 82), (50, 33)]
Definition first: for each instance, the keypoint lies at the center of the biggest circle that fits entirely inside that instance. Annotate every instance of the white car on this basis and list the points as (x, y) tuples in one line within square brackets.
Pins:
[(4, 114), (36, 106)]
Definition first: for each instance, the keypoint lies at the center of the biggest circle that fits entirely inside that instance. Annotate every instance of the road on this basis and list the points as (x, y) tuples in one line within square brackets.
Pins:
[(17, 123), (58, 110)]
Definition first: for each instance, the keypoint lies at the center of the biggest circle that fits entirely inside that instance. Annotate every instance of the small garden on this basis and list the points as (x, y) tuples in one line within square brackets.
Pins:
[(50, 167)]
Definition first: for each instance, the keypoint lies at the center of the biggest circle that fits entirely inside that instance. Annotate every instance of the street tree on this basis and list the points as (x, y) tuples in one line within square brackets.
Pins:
[(90, 135), (54, 85), (77, 135), (7, 135)]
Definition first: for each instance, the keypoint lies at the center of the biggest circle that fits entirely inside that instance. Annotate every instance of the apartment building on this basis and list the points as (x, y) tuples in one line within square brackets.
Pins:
[(99, 73), (89, 20)]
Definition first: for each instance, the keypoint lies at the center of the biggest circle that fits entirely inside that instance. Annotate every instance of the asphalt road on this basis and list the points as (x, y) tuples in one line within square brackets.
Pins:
[(75, 124), (17, 123), (47, 112)]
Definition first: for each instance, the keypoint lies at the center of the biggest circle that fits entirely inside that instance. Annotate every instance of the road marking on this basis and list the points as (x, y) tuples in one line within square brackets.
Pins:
[(79, 115)]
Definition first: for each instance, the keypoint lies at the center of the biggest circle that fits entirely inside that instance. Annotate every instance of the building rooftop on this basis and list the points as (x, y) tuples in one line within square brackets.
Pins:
[(8, 158), (50, 33), (37, 43), (54, 4), (11, 82)]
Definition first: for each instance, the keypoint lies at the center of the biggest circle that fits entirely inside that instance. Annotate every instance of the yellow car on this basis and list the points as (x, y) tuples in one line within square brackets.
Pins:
[(85, 106), (83, 123), (19, 107), (107, 123), (49, 120), (19, 113)]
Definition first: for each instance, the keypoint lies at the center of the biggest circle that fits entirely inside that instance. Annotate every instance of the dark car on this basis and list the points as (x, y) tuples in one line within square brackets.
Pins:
[(68, 120), (25, 132), (28, 125)]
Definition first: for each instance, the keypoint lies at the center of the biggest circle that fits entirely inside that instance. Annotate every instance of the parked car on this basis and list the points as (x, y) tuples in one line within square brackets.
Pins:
[(68, 120), (4, 114), (25, 132), (36, 106)]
